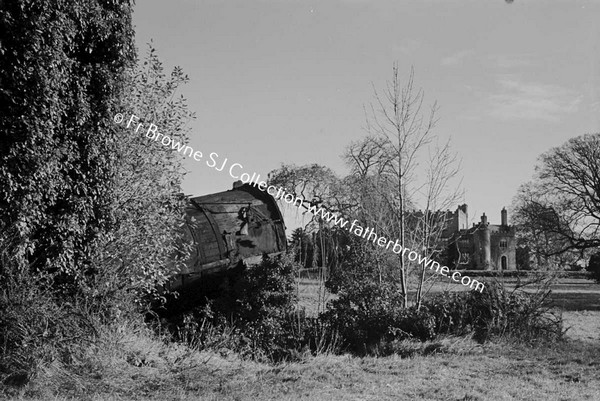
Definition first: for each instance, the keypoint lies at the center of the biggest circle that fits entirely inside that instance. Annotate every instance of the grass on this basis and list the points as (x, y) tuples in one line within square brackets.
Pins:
[(133, 364), (457, 369), (583, 325)]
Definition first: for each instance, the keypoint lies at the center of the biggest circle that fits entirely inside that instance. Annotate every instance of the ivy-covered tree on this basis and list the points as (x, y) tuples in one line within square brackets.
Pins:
[(80, 196), (62, 66), (62, 73), (89, 210)]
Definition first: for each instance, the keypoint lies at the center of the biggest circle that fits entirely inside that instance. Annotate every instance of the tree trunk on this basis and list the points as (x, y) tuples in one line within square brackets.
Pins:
[(402, 227)]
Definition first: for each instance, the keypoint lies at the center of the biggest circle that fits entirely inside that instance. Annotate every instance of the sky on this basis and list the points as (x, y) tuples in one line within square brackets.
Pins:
[(282, 81)]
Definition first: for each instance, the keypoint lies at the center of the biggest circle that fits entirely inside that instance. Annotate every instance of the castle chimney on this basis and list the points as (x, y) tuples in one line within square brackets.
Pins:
[(484, 219), (504, 216), (465, 220)]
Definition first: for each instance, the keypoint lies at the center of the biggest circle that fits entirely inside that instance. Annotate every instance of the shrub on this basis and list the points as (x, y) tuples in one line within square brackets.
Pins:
[(41, 327), (451, 313), (366, 314), (369, 306), (377, 321), (365, 329), (37, 327), (498, 313), (254, 313)]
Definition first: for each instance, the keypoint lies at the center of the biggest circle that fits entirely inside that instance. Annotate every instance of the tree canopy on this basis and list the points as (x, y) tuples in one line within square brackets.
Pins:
[(559, 211)]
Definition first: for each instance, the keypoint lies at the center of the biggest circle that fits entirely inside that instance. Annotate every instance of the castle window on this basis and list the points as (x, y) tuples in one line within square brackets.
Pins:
[(503, 244)]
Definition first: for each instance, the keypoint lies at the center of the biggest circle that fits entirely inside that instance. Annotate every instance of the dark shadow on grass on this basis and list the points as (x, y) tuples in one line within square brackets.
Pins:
[(576, 301)]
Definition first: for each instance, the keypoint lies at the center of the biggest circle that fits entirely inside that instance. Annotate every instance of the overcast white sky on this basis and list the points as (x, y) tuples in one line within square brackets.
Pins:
[(281, 81)]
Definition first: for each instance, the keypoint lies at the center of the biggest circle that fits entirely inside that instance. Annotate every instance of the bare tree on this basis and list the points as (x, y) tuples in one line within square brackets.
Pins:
[(536, 225), (440, 194), (383, 171), (398, 118), (563, 202)]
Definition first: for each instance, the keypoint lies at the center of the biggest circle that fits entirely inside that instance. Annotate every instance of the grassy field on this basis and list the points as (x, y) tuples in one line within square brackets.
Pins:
[(567, 294), (448, 369)]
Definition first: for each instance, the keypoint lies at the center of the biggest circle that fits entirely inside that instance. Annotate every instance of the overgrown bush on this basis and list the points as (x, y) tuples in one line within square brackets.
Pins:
[(373, 320), (500, 313), (497, 313), (364, 315), (254, 313), (99, 243), (450, 313), (369, 306), (40, 327)]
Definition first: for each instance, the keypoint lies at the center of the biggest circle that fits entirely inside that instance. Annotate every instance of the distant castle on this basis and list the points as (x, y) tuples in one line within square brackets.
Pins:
[(483, 246)]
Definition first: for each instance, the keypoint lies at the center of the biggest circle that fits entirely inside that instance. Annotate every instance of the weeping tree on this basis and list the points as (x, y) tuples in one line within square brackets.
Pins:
[(318, 186), (367, 160)]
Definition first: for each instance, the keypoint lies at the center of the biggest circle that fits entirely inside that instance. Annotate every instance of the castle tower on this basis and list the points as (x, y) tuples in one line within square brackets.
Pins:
[(504, 216), (485, 243)]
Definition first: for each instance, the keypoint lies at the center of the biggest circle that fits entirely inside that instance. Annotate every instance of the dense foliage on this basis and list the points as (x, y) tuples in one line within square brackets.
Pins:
[(369, 316), (145, 247), (62, 66), (255, 305), (89, 211), (495, 314), (62, 70)]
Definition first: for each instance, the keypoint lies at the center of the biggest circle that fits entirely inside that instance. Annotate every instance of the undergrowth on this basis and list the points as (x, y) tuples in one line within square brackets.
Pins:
[(262, 322), (72, 347)]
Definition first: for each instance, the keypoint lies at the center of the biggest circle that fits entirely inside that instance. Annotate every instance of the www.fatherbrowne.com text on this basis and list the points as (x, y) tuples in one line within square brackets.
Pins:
[(236, 171)]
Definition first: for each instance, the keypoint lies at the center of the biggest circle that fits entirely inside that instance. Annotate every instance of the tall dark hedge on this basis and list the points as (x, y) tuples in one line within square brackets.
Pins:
[(61, 71)]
